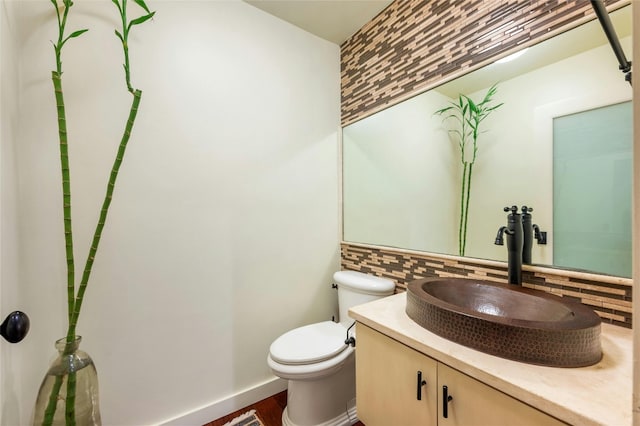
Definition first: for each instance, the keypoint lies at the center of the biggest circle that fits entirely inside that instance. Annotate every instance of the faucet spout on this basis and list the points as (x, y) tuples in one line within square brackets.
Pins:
[(500, 236), (539, 235)]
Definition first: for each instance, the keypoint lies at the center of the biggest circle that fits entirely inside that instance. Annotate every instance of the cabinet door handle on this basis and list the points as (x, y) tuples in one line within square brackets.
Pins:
[(446, 399), (421, 383)]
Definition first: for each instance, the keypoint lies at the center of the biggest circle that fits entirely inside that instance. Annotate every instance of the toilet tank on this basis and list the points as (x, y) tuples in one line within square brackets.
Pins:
[(356, 288)]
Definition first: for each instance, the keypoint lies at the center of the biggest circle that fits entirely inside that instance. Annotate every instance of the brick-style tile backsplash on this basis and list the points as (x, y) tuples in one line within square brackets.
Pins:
[(608, 296), (413, 45)]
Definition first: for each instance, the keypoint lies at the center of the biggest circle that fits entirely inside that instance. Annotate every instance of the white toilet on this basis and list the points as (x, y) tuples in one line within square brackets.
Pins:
[(318, 362)]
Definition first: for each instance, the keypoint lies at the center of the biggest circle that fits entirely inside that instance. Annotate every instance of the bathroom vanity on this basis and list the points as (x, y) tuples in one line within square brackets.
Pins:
[(410, 376)]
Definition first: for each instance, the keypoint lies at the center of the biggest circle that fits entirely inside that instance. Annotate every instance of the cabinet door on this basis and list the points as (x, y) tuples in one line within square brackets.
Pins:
[(474, 403), (387, 382)]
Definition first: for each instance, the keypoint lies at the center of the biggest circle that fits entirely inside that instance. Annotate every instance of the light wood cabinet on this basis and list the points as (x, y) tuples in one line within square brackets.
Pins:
[(387, 382), (474, 403), (389, 392)]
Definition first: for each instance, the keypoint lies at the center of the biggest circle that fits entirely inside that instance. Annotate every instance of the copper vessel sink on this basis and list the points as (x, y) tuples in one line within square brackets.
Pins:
[(508, 321)]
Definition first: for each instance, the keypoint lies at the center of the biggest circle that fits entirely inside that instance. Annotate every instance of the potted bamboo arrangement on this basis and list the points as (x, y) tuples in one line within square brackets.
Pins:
[(69, 391)]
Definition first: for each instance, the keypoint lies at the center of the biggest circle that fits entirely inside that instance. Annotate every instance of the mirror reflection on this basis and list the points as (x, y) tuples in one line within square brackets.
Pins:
[(560, 144)]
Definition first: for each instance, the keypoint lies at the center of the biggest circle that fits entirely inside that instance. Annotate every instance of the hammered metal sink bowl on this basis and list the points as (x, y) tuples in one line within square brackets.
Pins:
[(508, 321)]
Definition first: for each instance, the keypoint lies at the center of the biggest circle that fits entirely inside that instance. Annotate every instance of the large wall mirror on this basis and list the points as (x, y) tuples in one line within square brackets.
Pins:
[(560, 143)]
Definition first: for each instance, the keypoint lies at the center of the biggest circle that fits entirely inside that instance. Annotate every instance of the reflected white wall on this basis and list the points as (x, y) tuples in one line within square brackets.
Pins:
[(397, 190)]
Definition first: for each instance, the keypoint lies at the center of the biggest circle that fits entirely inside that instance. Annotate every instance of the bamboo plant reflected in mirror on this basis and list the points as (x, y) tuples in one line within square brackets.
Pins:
[(467, 116), (402, 174)]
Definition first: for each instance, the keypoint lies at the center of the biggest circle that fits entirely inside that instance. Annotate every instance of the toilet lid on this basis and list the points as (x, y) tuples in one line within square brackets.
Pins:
[(309, 344)]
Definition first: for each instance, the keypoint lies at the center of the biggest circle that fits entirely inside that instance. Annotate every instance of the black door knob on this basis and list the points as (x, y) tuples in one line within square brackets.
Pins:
[(15, 327)]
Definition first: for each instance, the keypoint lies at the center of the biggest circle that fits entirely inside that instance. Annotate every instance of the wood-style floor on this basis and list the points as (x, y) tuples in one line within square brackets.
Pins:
[(269, 410)]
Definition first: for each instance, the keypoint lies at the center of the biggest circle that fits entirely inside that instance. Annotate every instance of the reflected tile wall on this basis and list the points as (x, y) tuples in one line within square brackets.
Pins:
[(414, 44), (610, 297)]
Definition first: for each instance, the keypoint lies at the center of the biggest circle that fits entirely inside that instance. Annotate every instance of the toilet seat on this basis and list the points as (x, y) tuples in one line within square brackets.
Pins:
[(309, 344), (310, 352)]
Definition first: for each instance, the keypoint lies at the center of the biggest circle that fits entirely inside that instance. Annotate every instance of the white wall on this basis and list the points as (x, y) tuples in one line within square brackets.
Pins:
[(223, 231), (10, 292)]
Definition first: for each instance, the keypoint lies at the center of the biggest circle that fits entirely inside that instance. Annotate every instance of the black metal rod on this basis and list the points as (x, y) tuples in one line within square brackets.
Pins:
[(446, 399), (421, 383), (610, 32)]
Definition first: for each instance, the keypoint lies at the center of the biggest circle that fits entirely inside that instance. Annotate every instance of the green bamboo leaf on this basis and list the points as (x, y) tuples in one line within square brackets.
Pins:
[(117, 3), (492, 91), (119, 36), (73, 35), (471, 123), (472, 106), (442, 111), (143, 5), (77, 33), (140, 20), (454, 116), (494, 108)]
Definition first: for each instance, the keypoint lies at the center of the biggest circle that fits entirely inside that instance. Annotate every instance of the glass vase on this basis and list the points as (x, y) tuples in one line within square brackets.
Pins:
[(68, 394)]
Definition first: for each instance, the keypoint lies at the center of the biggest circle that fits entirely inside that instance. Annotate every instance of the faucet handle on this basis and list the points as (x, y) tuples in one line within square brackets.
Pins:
[(512, 209), (526, 209)]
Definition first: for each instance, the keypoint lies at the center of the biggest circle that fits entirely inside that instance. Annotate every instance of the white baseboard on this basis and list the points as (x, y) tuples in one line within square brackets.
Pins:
[(220, 408)]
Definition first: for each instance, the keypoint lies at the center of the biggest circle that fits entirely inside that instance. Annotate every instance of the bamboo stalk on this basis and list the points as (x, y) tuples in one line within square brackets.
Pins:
[(466, 209), (50, 411), (104, 211), (133, 111), (56, 77), (66, 188), (70, 401), (462, 209), (66, 191), (64, 154)]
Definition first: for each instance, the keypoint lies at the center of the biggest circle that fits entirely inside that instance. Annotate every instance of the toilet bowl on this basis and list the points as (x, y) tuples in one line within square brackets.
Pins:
[(318, 362)]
